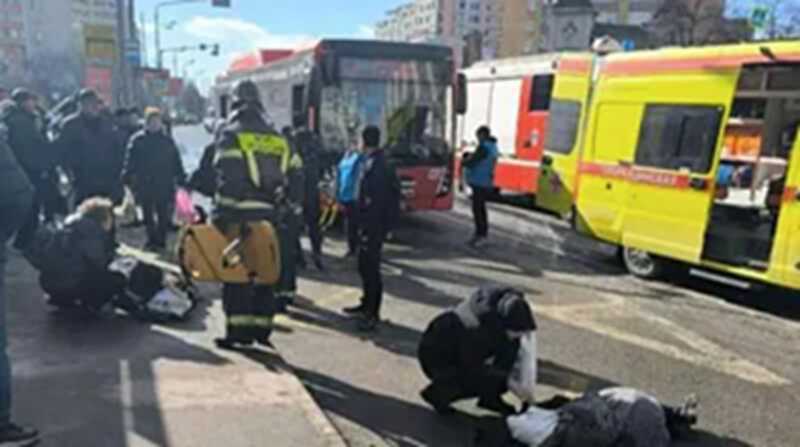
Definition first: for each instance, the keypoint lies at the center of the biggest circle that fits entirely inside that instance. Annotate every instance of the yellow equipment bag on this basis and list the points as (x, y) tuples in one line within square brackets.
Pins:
[(208, 255)]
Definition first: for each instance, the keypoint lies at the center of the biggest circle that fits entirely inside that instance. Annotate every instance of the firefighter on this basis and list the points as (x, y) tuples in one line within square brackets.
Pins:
[(245, 170)]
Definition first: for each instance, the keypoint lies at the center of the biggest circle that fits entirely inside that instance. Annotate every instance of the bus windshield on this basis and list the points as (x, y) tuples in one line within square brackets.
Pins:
[(406, 99)]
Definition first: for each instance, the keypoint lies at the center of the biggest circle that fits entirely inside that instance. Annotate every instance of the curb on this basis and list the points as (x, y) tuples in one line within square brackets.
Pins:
[(321, 422)]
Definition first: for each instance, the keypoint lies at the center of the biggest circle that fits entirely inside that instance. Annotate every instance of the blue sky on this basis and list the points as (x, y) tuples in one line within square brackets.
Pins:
[(251, 24)]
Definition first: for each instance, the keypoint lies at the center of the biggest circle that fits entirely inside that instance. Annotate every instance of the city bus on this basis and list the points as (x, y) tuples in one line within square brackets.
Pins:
[(340, 86)]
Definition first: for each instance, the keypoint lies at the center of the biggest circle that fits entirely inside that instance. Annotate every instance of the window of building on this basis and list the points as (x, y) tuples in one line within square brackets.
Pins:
[(564, 120), (541, 92), (679, 137)]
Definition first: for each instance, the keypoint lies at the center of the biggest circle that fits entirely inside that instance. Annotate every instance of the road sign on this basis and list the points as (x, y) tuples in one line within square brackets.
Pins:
[(221, 3), (759, 17)]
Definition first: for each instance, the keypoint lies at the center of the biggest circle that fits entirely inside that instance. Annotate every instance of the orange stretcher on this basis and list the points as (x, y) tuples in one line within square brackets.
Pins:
[(244, 254)]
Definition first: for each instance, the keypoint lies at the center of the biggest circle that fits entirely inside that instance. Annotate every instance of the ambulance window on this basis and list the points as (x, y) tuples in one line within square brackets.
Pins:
[(564, 120), (541, 92), (679, 137)]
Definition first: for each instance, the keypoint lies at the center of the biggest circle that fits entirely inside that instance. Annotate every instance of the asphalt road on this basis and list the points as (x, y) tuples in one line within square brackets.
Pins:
[(738, 351)]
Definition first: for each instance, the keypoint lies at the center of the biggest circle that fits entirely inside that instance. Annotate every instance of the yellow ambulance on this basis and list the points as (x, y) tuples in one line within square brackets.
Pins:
[(685, 156)]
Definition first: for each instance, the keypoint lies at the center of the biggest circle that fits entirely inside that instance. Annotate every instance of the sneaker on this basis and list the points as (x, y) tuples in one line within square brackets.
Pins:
[(497, 405), (368, 323), (478, 241), (13, 435), (442, 407), (354, 311)]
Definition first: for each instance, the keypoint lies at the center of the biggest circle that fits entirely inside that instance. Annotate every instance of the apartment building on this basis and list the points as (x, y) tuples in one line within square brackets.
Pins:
[(446, 22)]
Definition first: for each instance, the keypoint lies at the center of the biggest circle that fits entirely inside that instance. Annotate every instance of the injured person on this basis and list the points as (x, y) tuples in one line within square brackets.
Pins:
[(612, 417), (472, 351)]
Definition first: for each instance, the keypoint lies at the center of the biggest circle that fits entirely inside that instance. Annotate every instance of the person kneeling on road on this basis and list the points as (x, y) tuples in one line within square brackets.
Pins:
[(73, 260), (456, 347)]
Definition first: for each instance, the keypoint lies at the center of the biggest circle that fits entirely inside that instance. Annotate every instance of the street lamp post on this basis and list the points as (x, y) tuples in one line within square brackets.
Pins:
[(157, 19), (157, 23)]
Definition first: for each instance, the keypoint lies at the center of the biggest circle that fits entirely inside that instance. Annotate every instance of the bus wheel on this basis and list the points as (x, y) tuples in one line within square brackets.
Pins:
[(642, 264)]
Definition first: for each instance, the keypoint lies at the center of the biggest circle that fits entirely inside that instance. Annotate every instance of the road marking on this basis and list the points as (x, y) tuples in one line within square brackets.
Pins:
[(703, 353)]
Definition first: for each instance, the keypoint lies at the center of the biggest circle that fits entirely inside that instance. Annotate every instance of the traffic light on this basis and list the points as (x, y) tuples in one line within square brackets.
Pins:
[(202, 47), (221, 3), (215, 50)]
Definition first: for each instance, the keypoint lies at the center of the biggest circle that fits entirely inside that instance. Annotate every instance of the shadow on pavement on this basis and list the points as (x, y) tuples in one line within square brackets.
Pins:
[(405, 424), (84, 380)]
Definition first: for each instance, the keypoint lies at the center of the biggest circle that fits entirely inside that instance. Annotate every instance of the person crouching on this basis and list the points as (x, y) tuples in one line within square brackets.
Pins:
[(76, 272), (457, 346)]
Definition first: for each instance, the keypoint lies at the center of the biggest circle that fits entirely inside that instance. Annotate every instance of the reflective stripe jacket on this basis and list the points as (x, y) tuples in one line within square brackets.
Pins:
[(245, 168)]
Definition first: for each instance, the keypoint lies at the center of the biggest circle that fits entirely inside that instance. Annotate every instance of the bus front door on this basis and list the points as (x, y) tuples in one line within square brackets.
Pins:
[(558, 177)]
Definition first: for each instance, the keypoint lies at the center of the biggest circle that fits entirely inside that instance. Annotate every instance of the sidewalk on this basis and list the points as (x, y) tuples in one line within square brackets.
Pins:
[(116, 382)]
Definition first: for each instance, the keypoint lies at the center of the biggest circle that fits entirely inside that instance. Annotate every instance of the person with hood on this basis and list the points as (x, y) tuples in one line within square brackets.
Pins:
[(245, 170), (27, 139), (457, 346), (91, 151), (16, 197), (153, 168), (76, 273), (480, 178)]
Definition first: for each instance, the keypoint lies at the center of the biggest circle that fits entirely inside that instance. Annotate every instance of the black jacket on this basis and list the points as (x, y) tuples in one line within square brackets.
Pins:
[(91, 151), (376, 197), (91, 250), (310, 148), (27, 140), (153, 166), (16, 192), (229, 180)]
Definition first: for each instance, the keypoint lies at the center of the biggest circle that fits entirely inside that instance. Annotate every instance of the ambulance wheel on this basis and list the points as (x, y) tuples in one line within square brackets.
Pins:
[(642, 264)]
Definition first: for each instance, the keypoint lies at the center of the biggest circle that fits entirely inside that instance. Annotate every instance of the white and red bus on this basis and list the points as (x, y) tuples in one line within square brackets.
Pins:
[(343, 85), (512, 97)]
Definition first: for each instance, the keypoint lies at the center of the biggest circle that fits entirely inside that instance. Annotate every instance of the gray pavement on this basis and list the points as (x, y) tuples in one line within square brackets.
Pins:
[(598, 327), (108, 382)]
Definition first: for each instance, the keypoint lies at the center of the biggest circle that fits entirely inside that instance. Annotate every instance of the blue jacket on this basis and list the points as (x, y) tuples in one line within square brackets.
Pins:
[(480, 166), (347, 186)]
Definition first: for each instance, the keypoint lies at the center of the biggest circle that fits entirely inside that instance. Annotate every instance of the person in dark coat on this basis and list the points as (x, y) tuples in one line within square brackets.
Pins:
[(245, 171), (310, 147), (16, 196), (81, 276), (457, 345), (27, 139), (289, 226), (153, 168), (375, 213), (91, 151)]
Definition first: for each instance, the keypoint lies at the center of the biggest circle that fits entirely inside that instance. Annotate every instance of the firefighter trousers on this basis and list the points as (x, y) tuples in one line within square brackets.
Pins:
[(249, 310)]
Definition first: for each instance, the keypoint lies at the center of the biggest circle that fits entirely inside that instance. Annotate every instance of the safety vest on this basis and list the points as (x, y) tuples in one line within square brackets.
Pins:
[(251, 147)]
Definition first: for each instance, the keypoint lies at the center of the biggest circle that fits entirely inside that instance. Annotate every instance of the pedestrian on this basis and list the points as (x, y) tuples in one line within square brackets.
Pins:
[(289, 228), (126, 124), (16, 197), (346, 194), (457, 346), (245, 170), (374, 203), (153, 168), (91, 151), (74, 262), (26, 136), (480, 178), (309, 146)]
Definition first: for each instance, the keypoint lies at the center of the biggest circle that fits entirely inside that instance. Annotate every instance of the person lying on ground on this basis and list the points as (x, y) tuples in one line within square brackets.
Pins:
[(73, 260), (458, 345), (612, 417)]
